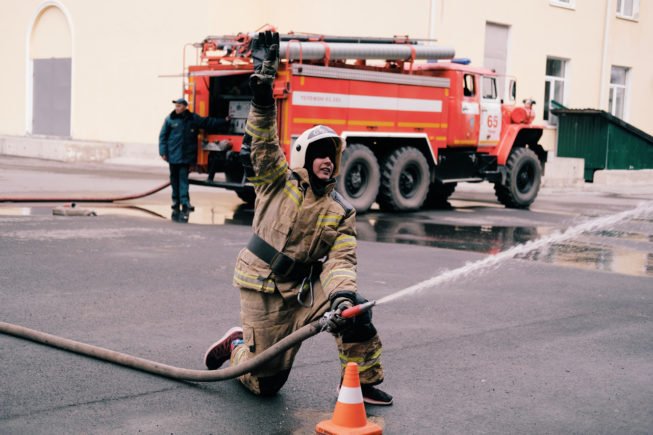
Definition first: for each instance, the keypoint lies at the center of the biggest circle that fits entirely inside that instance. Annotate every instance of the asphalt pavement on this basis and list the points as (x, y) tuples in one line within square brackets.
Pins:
[(554, 341)]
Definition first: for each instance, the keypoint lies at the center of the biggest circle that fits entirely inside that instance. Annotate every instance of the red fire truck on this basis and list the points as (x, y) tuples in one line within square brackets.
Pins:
[(412, 130)]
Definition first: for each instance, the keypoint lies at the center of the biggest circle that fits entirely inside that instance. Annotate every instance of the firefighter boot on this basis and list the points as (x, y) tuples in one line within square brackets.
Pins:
[(374, 396), (220, 351)]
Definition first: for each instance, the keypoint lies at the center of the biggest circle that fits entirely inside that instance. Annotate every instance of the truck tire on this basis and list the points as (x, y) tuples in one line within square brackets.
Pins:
[(404, 181), (523, 178), (234, 174), (438, 194), (359, 177)]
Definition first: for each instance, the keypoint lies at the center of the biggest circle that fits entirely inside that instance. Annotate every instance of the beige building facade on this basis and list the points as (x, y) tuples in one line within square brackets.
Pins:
[(85, 79)]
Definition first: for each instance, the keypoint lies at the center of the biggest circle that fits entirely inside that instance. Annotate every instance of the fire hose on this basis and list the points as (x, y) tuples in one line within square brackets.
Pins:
[(83, 198), (179, 373)]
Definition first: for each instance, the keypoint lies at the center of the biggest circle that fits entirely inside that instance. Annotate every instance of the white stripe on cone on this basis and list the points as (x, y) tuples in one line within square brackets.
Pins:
[(350, 395)]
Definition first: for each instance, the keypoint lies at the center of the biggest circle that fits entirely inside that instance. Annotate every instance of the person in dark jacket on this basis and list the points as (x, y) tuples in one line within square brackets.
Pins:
[(178, 147)]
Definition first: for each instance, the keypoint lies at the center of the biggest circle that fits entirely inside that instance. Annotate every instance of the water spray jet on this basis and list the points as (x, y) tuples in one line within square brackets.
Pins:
[(643, 209)]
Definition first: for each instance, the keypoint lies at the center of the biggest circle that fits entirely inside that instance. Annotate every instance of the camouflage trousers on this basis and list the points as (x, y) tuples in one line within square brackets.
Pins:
[(268, 317)]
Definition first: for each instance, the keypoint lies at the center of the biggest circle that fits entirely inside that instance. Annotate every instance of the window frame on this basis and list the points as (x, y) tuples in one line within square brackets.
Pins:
[(492, 82), (571, 4), (613, 87), (547, 116), (621, 7), (472, 90)]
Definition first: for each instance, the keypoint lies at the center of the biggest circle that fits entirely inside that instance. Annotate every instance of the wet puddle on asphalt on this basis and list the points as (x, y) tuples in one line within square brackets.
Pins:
[(602, 251), (622, 251)]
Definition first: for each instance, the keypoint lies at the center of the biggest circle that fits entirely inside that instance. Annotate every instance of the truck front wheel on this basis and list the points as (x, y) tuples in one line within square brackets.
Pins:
[(405, 180), (359, 177), (523, 178)]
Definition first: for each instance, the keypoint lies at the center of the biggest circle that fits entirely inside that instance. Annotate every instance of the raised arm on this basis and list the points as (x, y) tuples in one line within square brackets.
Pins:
[(263, 159)]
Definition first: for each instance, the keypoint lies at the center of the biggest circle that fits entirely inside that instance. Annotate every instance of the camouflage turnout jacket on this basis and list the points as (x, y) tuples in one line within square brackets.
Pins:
[(291, 218)]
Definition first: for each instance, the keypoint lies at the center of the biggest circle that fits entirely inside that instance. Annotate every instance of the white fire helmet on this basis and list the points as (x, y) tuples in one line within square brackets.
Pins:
[(312, 135)]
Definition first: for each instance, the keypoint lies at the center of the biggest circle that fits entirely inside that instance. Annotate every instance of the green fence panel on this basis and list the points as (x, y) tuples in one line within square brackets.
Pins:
[(627, 150), (602, 140)]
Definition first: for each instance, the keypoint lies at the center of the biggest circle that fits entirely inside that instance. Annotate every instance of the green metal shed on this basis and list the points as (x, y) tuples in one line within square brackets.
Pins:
[(603, 140)]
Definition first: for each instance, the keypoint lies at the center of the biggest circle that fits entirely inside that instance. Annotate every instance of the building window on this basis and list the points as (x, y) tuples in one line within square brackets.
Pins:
[(628, 9), (569, 4), (618, 81), (554, 86)]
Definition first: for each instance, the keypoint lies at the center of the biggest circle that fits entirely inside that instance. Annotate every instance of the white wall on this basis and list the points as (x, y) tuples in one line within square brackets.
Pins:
[(120, 48), (50, 36)]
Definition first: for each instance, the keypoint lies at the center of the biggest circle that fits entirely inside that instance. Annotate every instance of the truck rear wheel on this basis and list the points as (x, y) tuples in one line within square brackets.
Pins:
[(359, 177), (405, 180), (438, 194), (523, 178)]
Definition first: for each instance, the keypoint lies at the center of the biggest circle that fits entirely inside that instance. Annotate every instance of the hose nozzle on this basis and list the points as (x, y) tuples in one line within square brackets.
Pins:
[(357, 310)]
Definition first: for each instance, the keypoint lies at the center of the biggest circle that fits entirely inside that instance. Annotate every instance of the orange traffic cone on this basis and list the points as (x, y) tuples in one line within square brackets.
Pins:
[(349, 416)]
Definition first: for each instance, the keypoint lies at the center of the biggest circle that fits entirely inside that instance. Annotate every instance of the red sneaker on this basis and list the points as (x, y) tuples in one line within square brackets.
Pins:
[(220, 351)]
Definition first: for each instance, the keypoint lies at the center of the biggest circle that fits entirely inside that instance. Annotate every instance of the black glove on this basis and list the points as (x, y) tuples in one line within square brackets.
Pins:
[(340, 301), (265, 54)]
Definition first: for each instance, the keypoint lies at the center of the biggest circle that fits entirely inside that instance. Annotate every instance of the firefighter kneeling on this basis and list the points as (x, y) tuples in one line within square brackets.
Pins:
[(301, 260)]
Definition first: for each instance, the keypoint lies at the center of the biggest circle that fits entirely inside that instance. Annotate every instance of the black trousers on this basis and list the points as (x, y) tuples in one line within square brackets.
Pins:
[(179, 183)]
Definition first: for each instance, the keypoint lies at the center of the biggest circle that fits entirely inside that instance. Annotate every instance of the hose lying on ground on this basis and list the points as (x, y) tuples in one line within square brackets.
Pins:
[(164, 370), (83, 199), (178, 373)]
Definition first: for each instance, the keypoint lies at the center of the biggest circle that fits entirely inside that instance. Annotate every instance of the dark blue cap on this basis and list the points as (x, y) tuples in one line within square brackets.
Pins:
[(180, 101)]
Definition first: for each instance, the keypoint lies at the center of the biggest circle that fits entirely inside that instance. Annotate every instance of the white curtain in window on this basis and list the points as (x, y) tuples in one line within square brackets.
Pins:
[(617, 95), (554, 86), (628, 8)]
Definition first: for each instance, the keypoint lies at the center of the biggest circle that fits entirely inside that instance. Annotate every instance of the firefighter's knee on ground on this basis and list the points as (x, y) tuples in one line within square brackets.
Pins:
[(266, 386), (270, 385)]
